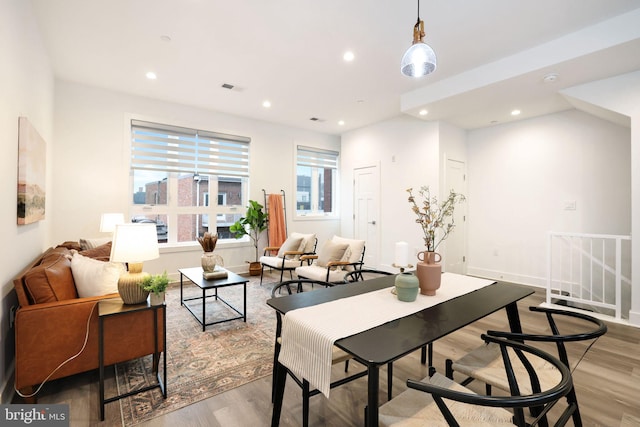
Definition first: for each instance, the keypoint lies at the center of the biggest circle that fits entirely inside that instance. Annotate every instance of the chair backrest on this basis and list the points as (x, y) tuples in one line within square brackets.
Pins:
[(354, 253), (295, 286), (537, 402), (364, 274), (556, 337)]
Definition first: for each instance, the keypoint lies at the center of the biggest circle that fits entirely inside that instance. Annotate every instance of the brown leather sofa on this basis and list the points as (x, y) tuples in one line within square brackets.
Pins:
[(52, 323)]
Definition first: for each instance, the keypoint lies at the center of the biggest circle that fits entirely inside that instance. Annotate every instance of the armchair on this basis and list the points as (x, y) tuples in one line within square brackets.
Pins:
[(336, 257), (288, 255)]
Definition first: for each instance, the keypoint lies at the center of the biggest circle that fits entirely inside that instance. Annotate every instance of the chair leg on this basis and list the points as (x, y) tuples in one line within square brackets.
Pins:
[(346, 365), (262, 274), (448, 368)]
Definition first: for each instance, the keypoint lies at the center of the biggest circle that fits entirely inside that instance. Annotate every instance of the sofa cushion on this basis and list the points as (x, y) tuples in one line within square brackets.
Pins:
[(94, 277), (102, 252), (51, 280)]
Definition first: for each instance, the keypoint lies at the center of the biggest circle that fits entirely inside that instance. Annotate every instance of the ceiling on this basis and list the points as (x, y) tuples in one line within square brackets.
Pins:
[(492, 55)]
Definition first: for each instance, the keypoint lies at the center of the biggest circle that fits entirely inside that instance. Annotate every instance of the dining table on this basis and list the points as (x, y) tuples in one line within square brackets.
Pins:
[(384, 343)]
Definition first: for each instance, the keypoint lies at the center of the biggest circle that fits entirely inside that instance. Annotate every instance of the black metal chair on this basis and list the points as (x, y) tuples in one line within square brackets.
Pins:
[(338, 355), (437, 399), (287, 256), (484, 363), (334, 269), (364, 274)]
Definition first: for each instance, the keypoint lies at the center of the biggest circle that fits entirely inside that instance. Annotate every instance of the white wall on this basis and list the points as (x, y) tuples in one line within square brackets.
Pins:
[(520, 176), (91, 173), (26, 88), (407, 152)]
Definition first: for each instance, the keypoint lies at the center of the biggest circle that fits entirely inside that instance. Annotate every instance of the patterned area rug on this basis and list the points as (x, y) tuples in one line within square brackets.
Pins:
[(203, 364)]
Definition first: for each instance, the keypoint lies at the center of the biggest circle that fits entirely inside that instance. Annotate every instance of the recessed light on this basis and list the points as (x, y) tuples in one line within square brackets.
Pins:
[(550, 78), (165, 38), (151, 75), (348, 56), (423, 112), (341, 123), (515, 112), (266, 104)]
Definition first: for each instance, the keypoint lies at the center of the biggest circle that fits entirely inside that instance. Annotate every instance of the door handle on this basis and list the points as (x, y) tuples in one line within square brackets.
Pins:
[(372, 222)]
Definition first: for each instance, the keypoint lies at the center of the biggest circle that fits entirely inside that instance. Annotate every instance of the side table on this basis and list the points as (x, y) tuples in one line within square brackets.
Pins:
[(115, 307)]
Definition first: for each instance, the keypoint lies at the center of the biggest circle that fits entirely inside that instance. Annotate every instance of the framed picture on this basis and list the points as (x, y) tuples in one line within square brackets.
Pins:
[(32, 156)]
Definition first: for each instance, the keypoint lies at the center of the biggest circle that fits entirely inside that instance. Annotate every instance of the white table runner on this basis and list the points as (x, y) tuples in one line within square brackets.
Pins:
[(308, 334)]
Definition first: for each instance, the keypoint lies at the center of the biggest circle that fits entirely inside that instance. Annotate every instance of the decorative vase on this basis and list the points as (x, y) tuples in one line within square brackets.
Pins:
[(208, 261), (156, 298), (132, 292), (407, 286), (429, 272)]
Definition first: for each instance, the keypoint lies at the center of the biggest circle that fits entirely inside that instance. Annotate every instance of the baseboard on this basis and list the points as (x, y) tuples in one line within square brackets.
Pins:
[(539, 282)]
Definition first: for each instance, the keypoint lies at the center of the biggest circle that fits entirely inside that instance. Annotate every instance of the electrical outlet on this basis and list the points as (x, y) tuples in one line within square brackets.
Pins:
[(12, 316)]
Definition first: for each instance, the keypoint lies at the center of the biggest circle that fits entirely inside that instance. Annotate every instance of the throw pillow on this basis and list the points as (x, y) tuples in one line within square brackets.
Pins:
[(93, 277), (291, 244), (51, 280), (93, 243), (102, 252), (331, 252)]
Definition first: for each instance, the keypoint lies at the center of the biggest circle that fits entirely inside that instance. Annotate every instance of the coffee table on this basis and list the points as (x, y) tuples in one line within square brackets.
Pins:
[(194, 275)]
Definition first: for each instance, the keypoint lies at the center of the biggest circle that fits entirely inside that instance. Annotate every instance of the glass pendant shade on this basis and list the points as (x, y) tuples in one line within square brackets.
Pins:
[(419, 60)]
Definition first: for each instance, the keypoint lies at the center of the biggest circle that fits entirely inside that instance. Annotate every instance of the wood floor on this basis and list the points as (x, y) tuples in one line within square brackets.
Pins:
[(607, 382)]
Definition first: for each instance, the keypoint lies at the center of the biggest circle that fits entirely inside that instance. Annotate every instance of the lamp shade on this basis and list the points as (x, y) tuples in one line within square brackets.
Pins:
[(108, 222), (419, 60), (134, 243)]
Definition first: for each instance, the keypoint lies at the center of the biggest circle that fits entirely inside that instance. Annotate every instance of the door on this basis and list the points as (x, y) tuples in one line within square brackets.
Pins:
[(455, 259), (366, 192)]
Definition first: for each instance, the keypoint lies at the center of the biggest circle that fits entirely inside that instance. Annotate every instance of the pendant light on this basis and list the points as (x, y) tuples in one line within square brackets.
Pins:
[(420, 59)]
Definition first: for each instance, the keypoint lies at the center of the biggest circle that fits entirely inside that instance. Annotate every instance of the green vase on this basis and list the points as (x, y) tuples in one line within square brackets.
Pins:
[(407, 287)]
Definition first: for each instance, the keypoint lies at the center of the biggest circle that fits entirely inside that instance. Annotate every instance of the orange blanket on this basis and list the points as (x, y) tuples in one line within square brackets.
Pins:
[(277, 226)]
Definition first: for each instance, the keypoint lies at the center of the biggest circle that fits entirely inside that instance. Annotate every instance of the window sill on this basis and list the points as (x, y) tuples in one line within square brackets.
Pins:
[(316, 218)]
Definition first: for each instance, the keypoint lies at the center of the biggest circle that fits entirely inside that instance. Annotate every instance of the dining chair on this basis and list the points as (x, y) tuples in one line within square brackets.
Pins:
[(439, 401), (287, 256), (485, 364), (291, 287)]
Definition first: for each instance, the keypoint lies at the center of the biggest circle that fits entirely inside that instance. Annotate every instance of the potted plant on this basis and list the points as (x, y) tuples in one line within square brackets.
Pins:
[(157, 286), (252, 224)]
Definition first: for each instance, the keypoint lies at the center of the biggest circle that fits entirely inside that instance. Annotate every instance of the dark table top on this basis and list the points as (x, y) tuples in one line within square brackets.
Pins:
[(395, 339), (195, 275)]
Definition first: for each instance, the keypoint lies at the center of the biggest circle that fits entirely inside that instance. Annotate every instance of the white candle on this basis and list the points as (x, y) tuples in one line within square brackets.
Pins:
[(402, 254)]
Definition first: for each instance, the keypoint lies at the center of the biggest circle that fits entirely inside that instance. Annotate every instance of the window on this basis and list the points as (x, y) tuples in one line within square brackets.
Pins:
[(316, 181), (174, 172)]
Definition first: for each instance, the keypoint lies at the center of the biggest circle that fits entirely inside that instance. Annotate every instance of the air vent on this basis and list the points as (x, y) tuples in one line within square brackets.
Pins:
[(227, 86), (315, 119)]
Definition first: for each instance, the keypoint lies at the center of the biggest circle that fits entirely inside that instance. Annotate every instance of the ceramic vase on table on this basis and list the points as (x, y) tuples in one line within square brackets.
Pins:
[(429, 272), (209, 261), (407, 287)]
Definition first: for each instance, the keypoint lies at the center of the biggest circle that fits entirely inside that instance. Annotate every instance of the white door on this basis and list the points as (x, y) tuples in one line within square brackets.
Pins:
[(366, 188), (455, 258)]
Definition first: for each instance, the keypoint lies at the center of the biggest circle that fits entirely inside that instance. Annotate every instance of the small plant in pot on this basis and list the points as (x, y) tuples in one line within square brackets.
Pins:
[(252, 224), (157, 286)]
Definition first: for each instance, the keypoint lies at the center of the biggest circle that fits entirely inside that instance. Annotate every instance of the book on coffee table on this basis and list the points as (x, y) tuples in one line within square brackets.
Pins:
[(217, 273)]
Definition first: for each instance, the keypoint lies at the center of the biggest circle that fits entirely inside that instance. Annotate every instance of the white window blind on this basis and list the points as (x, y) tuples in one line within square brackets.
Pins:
[(316, 157), (176, 149)]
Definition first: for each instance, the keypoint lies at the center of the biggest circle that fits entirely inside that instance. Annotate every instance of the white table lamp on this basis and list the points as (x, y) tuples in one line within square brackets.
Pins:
[(134, 244)]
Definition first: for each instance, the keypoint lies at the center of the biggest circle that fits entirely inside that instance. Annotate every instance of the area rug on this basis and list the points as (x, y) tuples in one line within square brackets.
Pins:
[(203, 364)]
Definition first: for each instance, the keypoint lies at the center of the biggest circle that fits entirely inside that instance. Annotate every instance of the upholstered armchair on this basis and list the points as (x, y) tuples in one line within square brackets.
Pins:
[(336, 257), (288, 255)]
